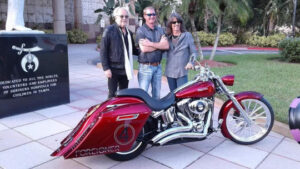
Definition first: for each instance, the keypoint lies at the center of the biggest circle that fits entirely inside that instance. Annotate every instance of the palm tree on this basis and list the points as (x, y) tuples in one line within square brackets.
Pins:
[(241, 9), (164, 8), (108, 9), (193, 9), (140, 5), (276, 11)]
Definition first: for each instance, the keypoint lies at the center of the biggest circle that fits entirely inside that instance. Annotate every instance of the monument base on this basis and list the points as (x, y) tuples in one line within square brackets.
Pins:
[(21, 32), (33, 72)]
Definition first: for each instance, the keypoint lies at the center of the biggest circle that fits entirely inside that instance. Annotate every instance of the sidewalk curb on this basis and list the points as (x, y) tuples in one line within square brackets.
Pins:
[(264, 49), (242, 48), (278, 127), (282, 128)]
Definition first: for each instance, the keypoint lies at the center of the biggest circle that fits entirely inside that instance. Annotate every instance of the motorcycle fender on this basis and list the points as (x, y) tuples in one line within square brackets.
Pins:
[(109, 127), (229, 104)]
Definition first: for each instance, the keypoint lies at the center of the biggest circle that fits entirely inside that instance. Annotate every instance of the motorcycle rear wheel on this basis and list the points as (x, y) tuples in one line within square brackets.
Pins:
[(262, 116), (137, 148)]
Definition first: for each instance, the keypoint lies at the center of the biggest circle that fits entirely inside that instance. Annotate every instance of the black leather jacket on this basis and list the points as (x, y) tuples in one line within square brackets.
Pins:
[(112, 49)]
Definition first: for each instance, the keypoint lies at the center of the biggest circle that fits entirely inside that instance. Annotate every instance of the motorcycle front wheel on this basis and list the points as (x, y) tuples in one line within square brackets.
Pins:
[(137, 148), (262, 118)]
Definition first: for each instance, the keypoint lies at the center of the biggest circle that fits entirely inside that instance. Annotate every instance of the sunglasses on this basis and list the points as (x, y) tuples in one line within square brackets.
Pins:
[(174, 22), (151, 14), (123, 16)]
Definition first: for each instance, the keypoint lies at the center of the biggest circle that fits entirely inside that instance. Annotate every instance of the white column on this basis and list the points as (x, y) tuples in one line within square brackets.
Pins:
[(59, 22), (77, 14)]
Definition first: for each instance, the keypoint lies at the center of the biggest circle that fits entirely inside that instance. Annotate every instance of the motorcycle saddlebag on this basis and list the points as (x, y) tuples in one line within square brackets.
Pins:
[(109, 127)]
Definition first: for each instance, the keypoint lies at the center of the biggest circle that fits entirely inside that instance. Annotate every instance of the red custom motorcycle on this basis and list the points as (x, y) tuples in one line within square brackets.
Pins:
[(121, 127)]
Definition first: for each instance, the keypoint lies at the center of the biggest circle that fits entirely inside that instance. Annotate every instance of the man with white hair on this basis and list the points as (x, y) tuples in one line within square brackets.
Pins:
[(117, 48)]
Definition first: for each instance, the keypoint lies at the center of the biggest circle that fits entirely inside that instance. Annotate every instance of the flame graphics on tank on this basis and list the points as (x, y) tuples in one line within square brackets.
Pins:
[(29, 62)]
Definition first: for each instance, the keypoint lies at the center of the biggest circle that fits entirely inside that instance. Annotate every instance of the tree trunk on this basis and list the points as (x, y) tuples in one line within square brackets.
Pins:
[(206, 19), (197, 41), (271, 24), (217, 38)]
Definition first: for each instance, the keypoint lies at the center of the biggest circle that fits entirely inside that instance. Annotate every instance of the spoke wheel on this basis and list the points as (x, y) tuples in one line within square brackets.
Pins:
[(136, 149), (262, 117)]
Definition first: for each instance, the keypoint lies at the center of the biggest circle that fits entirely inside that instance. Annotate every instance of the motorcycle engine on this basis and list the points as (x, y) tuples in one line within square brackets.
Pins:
[(196, 110), (198, 107)]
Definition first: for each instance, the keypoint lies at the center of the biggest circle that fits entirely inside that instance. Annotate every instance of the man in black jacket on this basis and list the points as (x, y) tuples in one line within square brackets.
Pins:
[(117, 47)]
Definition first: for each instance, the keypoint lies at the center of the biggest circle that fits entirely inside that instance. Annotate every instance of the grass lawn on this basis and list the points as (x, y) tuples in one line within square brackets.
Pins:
[(279, 82)]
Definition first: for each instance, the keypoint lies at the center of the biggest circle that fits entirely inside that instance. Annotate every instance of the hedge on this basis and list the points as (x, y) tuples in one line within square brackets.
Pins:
[(265, 41), (98, 40), (208, 39), (290, 49), (77, 36)]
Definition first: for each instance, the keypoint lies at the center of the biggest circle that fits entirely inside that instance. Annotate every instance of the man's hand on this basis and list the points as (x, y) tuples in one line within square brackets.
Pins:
[(189, 66), (107, 73), (148, 46), (164, 41), (146, 42), (145, 45)]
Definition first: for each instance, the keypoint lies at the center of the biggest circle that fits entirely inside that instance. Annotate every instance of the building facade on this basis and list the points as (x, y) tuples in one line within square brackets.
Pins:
[(38, 14)]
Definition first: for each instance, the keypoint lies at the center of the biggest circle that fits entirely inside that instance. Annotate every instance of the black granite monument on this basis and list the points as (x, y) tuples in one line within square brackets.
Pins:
[(33, 72)]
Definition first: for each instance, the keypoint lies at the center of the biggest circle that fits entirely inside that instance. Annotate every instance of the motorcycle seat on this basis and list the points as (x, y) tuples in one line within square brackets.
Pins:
[(154, 104)]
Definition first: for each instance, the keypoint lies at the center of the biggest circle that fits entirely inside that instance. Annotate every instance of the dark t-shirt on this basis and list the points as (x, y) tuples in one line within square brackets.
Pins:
[(153, 35)]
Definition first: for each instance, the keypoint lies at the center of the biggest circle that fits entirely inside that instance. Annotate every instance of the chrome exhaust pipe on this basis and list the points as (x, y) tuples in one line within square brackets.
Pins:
[(174, 130), (187, 134), (181, 135)]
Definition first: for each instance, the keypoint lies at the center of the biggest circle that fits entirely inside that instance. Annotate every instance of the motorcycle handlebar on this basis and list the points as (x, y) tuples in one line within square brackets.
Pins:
[(197, 67)]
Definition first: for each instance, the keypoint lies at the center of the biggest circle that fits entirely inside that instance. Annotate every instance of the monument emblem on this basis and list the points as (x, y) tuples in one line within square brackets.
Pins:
[(29, 62)]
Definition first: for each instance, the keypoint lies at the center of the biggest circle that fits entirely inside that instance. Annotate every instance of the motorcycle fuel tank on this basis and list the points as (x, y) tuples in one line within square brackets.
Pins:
[(110, 127), (197, 90)]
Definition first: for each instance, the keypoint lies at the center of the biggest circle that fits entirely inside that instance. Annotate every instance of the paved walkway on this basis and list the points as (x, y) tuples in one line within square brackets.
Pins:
[(27, 140)]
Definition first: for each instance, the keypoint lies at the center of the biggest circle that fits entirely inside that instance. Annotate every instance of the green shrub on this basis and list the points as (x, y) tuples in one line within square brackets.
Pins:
[(290, 49), (263, 41), (98, 40), (226, 39), (273, 40), (77, 36), (208, 39), (255, 40), (242, 37)]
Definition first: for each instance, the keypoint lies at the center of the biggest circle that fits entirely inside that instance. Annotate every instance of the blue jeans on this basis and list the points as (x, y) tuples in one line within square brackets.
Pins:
[(150, 74), (176, 82)]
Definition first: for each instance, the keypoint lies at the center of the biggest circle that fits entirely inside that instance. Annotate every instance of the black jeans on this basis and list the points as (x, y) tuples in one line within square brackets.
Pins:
[(116, 81)]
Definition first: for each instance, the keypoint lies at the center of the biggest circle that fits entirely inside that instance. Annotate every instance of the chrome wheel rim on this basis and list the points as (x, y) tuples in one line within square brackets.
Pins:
[(260, 116), (135, 145)]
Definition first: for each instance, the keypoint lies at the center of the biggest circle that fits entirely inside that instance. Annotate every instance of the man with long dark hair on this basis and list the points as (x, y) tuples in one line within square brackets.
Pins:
[(182, 52)]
